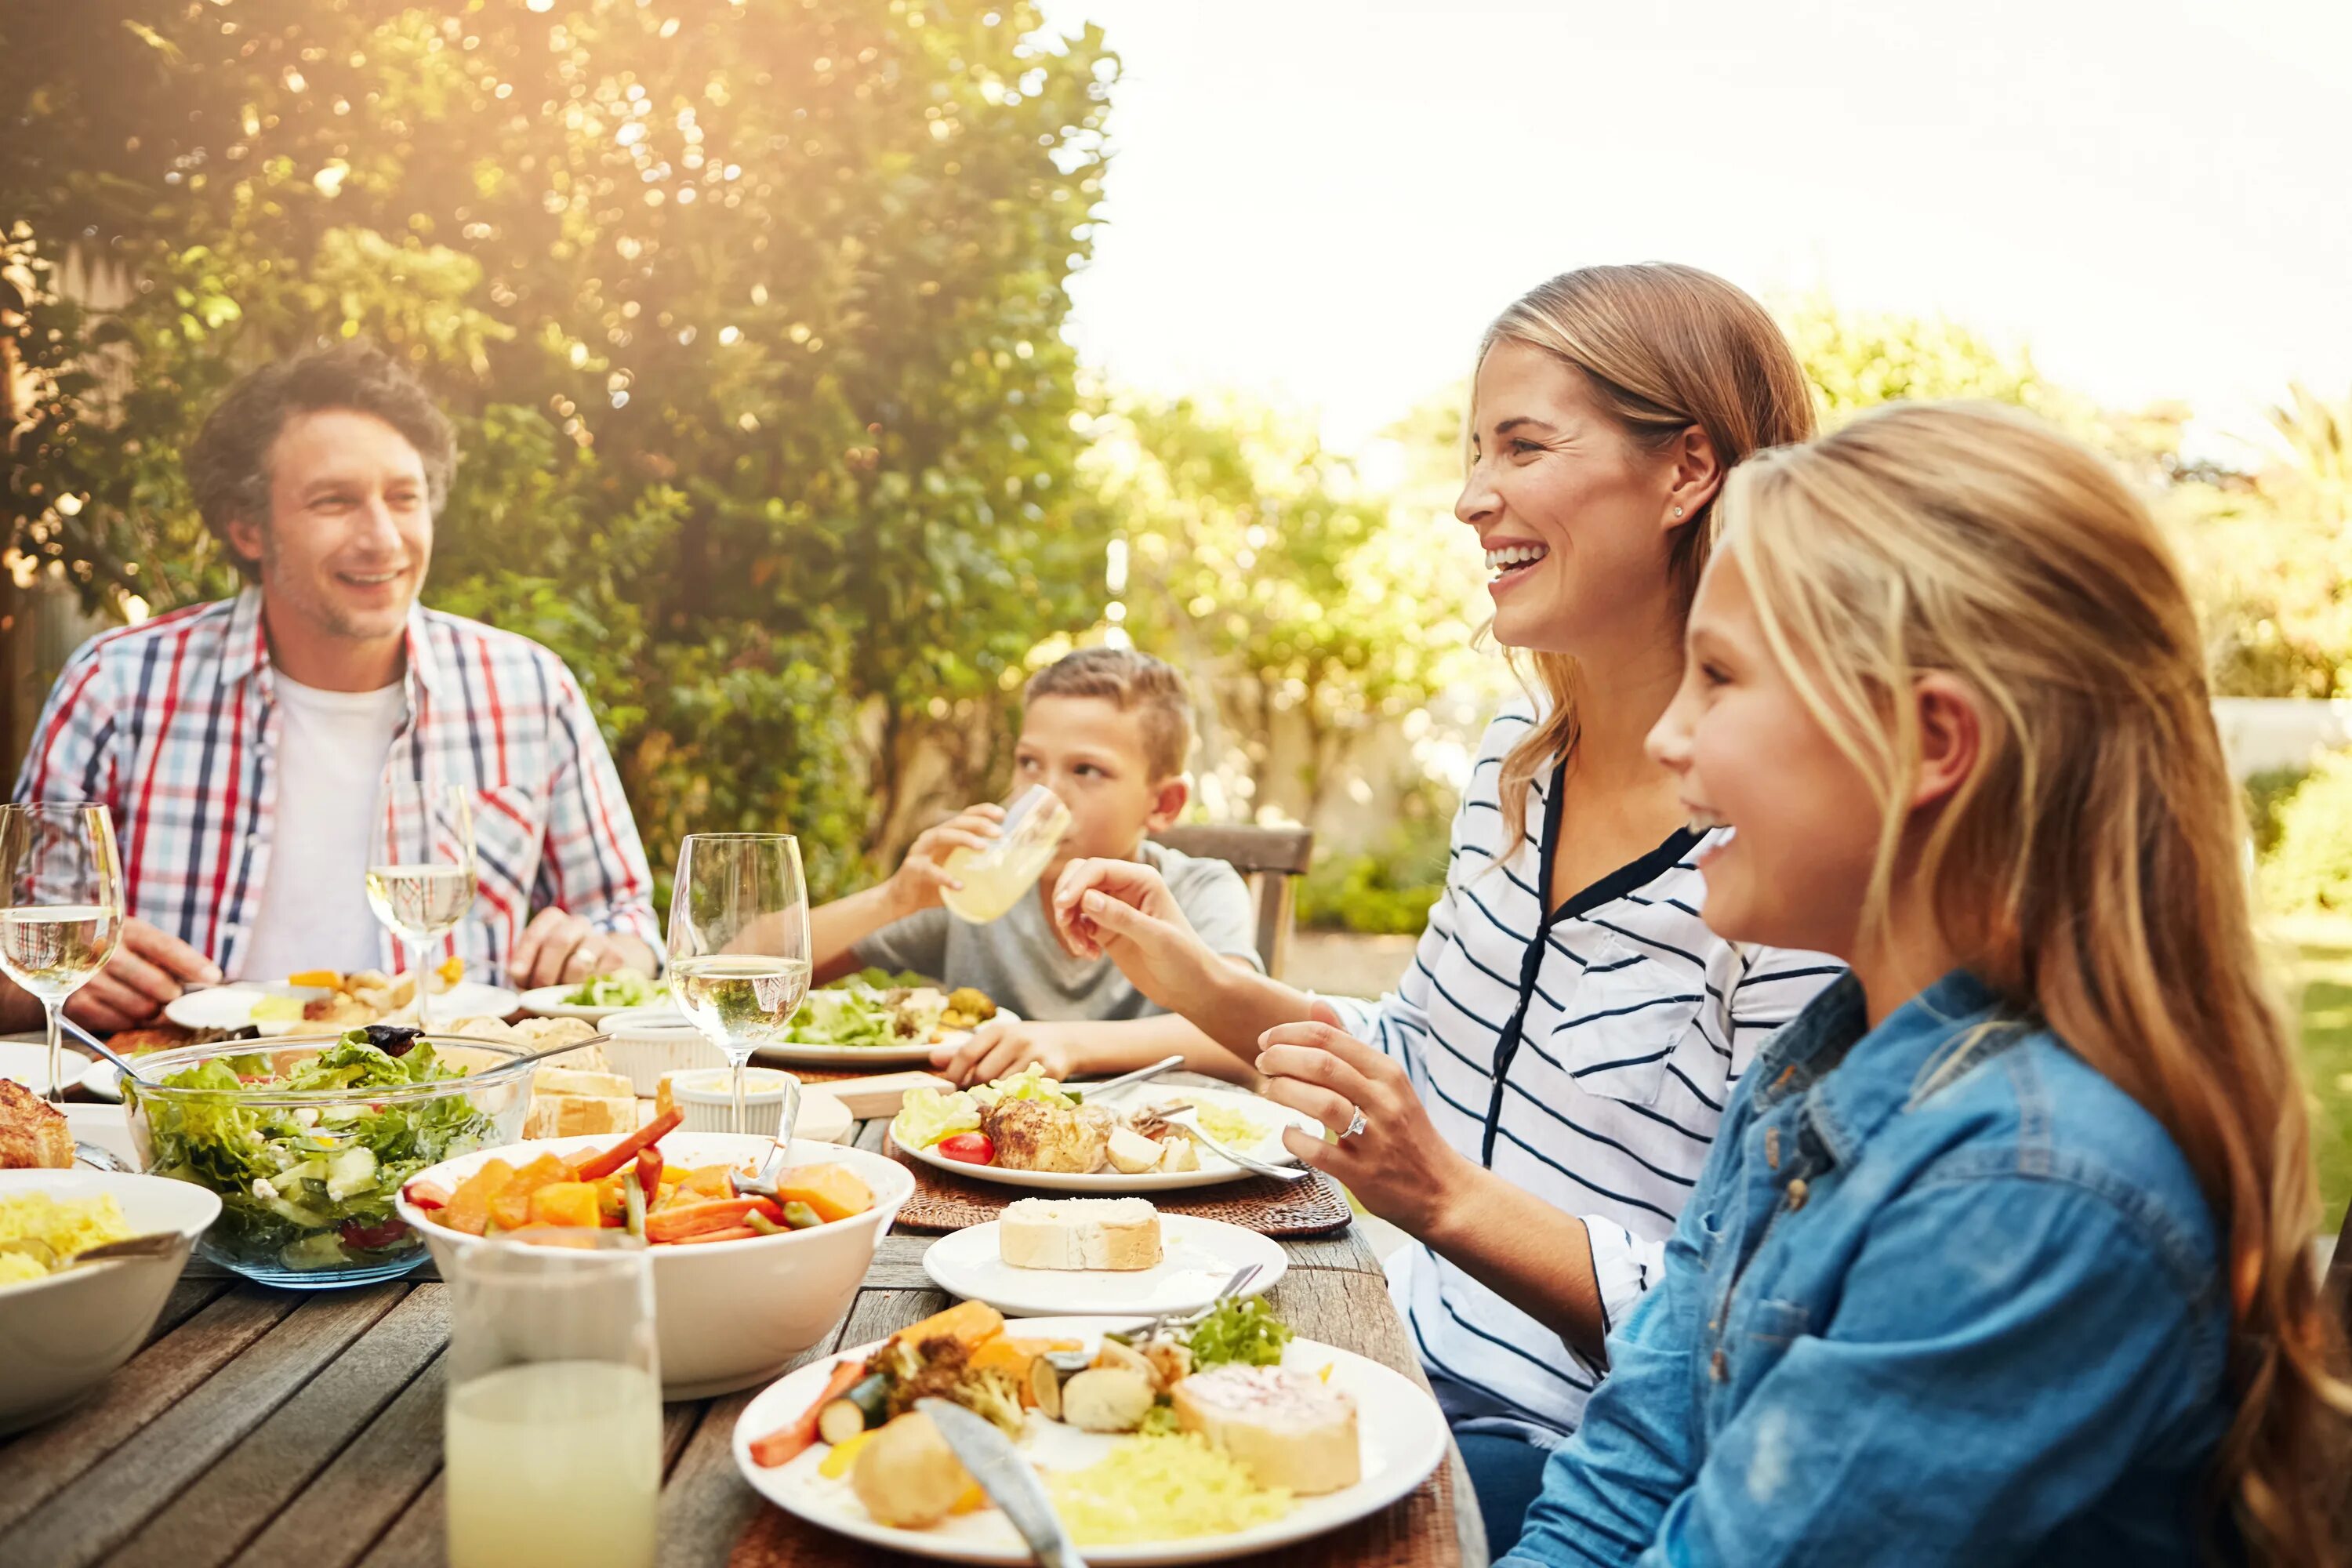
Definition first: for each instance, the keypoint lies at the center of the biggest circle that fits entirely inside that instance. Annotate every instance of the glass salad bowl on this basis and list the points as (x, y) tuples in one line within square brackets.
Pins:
[(307, 1140)]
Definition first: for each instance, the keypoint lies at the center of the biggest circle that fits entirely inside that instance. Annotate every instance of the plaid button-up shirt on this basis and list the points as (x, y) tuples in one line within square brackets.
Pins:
[(173, 725)]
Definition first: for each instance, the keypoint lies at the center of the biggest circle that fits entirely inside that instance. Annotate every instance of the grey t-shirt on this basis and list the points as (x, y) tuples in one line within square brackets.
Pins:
[(1017, 961)]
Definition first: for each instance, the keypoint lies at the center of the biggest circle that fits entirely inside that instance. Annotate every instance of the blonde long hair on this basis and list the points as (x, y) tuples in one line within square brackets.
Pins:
[(1663, 347), (2091, 869)]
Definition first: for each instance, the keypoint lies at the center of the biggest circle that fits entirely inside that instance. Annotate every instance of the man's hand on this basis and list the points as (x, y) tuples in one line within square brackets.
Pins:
[(921, 877), (998, 1048), (557, 948), (148, 970)]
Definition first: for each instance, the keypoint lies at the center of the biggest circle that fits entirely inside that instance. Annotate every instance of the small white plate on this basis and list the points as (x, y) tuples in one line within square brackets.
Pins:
[(548, 1002), (231, 1006), (103, 1078), (107, 1127), (1197, 1257), (1215, 1168), (29, 1064), (914, 1053), (1399, 1432)]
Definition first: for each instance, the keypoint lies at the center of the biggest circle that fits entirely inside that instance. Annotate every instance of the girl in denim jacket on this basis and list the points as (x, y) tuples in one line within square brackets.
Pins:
[(2000, 1254)]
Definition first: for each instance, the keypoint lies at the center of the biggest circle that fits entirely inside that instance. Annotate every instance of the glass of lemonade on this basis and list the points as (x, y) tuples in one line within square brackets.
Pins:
[(552, 1423), (994, 879), (60, 905), (738, 942), (420, 879)]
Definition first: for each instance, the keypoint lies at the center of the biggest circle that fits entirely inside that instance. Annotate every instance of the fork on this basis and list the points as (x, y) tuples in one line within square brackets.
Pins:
[(764, 1184), (1188, 1118)]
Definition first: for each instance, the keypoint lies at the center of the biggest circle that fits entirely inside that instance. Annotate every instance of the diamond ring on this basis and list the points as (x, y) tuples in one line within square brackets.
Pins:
[(1355, 1126)]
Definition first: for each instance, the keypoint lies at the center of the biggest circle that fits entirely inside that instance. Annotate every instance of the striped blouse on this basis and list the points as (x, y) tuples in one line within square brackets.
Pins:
[(1583, 1053)]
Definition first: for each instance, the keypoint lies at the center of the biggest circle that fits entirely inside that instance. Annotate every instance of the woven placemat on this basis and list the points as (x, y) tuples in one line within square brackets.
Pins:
[(1316, 1206), (1416, 1532)]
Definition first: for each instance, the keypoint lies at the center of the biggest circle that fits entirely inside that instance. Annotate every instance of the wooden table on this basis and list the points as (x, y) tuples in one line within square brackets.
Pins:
[(262, 1426)]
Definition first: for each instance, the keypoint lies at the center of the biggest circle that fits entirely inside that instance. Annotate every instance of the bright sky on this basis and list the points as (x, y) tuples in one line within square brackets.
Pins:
[(1325, 200)]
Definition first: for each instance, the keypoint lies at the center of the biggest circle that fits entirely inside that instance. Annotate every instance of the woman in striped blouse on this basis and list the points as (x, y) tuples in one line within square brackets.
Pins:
[(1535, 1102)]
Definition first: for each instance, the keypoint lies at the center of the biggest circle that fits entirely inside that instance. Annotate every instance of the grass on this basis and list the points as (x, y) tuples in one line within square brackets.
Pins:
[(2320, 983)]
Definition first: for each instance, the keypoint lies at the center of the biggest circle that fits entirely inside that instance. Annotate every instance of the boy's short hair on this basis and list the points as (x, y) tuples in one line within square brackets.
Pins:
[(1135, 683)]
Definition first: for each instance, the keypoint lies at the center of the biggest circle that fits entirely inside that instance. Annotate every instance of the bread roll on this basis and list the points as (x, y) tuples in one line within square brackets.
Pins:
[(1120, 1234)]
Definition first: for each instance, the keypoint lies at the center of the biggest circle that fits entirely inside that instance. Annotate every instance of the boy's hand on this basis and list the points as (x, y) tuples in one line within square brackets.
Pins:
[(917, 883), (998, 1048), (1123, 910)]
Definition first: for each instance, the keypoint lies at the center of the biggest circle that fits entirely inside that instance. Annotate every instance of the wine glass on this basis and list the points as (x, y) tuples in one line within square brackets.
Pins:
[(738, 942), (420, 879), (60, 906)]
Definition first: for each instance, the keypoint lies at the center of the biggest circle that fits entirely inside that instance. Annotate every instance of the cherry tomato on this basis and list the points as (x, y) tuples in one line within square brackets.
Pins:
[(971, 1148), (372, 1237)]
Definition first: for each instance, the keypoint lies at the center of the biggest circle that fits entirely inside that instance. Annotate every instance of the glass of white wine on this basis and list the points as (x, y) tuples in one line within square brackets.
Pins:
[(738, 942), (60, 906), (995, 878), (420, 880), (552, 1423)]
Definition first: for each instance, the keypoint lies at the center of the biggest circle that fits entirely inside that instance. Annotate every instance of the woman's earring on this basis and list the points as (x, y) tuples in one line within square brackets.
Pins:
[(1678, 512)]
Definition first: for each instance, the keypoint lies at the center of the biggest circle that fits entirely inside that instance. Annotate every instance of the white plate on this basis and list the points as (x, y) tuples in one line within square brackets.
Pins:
[(1197, 1257), (231, 1006), (1400, 1432), (548, 1002), (29, 1064), (107, 1127), (915, 1053), (1215, 1168)]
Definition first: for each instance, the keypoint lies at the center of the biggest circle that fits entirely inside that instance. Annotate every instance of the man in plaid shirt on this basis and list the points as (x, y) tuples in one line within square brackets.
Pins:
[(240, 745)]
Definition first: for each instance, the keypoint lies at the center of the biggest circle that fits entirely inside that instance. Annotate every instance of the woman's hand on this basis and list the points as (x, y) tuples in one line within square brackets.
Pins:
[(1123, 908), (1399, 1167), (920, 878), (998, 1048)]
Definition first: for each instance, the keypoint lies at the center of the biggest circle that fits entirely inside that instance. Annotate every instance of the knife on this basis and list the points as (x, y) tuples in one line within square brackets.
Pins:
[(1007, 1478)]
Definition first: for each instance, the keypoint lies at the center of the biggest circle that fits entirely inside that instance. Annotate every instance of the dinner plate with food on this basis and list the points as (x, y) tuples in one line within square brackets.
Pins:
[(328, 999), (1030, 1131), (596, 998), (1049, 1257), (1200, 1441), (880, 1019)]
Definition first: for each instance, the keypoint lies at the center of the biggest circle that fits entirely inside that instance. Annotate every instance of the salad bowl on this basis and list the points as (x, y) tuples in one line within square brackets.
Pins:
[(306, 1142)]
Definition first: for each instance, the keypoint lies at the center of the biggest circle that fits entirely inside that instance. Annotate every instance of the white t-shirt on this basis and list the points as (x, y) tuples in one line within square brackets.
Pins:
[(314, 914)]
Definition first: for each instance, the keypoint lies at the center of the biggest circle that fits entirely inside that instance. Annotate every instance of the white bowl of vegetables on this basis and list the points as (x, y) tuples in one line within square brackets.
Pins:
[(738, 1289), (306, 1142)]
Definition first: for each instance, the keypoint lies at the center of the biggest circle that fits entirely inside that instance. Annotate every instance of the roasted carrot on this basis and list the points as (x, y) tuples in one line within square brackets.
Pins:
[(731, 1233), (786, 1442), (621, 1153), (679, 1221), (649, 1170)]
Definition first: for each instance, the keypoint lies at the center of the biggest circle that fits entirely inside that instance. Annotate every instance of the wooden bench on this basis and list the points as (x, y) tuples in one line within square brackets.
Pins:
[(1269, 858)]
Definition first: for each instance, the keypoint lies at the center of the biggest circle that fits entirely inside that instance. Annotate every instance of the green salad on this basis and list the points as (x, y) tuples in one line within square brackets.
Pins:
[(308, 1188), (626, 988), (871, 1007)]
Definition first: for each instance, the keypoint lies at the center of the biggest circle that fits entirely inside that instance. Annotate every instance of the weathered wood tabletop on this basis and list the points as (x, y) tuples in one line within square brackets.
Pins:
[(262, 1426)]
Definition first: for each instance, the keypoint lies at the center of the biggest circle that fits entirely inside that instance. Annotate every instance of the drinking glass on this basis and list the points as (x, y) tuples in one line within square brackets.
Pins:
[(995, 879), (420, 879), (738, 942), (552, 1422), (60, 905)]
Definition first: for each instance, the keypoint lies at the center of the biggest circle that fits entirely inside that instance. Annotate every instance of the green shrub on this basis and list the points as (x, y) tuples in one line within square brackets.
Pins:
[(2266, 792), (1386, 889), (2310, 866)]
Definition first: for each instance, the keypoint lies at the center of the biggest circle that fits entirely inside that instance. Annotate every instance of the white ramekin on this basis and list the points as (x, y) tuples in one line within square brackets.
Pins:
[(706, 1097), (647, 1042)]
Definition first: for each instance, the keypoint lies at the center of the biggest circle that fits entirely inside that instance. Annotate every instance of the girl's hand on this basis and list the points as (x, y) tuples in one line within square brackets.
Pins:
[(1122, 909), (1399, 1167), (998, 1048), (920, 877)]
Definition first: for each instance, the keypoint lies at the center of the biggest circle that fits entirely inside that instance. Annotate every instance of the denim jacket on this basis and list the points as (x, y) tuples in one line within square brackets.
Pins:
[(1943, 1295)]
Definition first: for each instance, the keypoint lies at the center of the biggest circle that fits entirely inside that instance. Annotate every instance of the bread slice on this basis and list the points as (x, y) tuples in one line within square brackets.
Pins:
[(34, 1134), (1120, 1234), (569, 1115), (573, 1080), (1286, 1428)]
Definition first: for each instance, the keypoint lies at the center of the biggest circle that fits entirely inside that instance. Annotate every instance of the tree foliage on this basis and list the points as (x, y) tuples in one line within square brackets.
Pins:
[(748, 311)]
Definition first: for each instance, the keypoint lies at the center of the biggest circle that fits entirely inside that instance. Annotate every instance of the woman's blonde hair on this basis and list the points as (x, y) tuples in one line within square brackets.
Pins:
[(1663, 348), (2091, 868)]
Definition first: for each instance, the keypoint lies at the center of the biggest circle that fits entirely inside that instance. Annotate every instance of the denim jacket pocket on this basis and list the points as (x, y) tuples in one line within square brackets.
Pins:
[(1630, 1012), (1778, 1323)]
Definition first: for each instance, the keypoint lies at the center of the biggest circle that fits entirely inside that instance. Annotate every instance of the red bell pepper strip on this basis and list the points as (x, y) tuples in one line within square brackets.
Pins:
[(787, 1442), (649, 1170), (427, 1194), (621, 1153)]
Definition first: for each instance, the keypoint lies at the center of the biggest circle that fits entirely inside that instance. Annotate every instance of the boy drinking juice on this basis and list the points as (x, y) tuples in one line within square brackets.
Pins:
[(1107, 730)]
